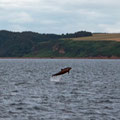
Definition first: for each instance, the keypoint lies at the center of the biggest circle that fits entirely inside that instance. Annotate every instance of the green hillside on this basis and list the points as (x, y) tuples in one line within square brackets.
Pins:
[(79, 44), (71, 48)]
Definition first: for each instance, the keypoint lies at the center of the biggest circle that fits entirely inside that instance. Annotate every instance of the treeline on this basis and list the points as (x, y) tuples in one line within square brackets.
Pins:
[(46, 36), (77, 34)]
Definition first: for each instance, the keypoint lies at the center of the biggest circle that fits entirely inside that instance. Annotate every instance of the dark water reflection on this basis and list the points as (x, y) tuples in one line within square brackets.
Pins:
[(90, 92)]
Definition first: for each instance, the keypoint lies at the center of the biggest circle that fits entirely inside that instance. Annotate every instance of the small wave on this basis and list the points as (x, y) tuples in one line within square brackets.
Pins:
[(56, 78)]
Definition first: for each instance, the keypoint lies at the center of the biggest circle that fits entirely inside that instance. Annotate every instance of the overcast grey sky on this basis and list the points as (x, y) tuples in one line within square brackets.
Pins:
[(60, 16)]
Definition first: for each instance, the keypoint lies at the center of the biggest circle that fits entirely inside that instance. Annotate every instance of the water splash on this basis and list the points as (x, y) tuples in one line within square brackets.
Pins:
[(56, 78)]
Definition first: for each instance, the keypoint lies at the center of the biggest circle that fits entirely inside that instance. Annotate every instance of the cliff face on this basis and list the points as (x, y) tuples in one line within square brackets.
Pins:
[(62, 51), (57, 48)]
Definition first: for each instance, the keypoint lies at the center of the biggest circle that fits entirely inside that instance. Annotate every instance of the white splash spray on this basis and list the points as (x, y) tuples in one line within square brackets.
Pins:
[(56, 78)]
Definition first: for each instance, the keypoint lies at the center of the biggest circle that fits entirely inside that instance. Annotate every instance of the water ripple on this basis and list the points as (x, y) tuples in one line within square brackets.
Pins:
[(90, 92)]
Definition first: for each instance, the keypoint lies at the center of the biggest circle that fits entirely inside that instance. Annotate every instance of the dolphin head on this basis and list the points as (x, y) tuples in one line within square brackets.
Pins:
[(69, 68)]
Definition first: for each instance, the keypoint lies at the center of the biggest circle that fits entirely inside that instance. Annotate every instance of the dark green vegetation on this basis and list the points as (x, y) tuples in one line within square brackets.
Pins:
[(29, 44)]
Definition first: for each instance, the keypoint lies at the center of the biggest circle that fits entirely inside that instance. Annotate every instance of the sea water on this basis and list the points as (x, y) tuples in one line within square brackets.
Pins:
[(91, 91)]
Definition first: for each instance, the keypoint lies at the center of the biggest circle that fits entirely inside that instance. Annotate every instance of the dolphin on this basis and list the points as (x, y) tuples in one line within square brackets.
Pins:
[(63, 71)]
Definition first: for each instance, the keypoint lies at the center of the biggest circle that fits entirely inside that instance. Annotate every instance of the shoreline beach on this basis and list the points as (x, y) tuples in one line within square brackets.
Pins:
[(60, 57)]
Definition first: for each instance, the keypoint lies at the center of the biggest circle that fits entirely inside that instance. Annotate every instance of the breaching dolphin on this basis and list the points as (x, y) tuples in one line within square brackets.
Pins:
[(63, 71)]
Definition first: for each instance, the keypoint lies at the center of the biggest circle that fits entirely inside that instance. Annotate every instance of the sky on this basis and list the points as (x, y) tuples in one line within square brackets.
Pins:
[(60, 16)]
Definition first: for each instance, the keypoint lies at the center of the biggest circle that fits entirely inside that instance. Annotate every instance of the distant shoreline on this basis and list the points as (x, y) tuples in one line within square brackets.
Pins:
[(60, 57)]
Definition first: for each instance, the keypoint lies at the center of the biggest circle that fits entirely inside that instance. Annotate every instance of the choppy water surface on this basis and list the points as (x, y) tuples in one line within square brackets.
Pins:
[(90, 92)]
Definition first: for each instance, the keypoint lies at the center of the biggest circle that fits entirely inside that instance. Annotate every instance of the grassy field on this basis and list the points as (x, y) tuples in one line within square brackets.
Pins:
[(101, 37)]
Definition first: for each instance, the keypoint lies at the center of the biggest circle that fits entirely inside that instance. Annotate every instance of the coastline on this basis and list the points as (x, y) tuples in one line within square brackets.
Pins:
[(113, 57)]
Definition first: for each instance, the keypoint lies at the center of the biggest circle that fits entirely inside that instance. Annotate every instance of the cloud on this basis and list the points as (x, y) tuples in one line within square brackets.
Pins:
[(20, 18), (17, 27), (114, 28), (60, 15), (15, 17)]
